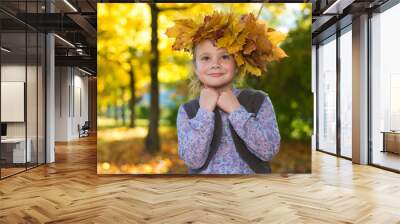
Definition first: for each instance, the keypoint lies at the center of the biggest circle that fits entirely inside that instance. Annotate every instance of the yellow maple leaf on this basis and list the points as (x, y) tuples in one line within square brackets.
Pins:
[(233, 38), (249, 47), (250, 41), (278, 53), (276, 37), (223, 42), (239, 59), (183, 32), (237, 26), (252, 69), (182, 25)]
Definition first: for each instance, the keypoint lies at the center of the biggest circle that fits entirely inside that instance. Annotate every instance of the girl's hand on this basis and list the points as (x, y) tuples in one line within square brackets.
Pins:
[(228, 102), (208, 98)]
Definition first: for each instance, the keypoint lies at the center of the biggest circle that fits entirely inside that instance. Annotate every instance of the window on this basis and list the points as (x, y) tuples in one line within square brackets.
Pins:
[(327, 95), (385, 89), (22, 76), (346, 92)]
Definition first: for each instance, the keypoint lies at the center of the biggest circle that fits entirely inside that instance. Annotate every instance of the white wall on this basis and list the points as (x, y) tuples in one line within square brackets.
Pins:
[(360, 90), (314, 91), (12, 73), (71, 94), (33, 126), (50, 95), (62, 81)]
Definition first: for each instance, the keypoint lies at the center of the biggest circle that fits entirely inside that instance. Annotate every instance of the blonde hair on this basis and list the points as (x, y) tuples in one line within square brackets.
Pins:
[(194, 85)]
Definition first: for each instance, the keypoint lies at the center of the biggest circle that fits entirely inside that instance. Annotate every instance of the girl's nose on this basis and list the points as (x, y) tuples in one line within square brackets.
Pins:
[(215, 64)]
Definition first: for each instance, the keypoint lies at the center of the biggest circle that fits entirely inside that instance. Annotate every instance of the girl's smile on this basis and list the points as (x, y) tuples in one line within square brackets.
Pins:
[(216, 74)]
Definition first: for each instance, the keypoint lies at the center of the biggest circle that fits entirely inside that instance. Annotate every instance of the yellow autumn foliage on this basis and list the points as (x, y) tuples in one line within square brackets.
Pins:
[(251, 42)]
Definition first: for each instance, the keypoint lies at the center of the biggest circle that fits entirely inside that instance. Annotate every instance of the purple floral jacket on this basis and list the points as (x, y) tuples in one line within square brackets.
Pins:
[(259, 132)]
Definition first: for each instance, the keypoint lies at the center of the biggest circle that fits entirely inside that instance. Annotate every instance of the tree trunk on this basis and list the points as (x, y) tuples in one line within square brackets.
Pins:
[(132, 102), (109, 111), (123, 115), (116, 112), (153, 140)]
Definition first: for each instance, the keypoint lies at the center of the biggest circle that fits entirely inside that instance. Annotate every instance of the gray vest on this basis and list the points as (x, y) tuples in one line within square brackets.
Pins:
[(251, 100)]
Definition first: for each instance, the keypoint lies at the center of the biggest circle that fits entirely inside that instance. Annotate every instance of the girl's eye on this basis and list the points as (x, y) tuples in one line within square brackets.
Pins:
[(226, 56), (205, 58)]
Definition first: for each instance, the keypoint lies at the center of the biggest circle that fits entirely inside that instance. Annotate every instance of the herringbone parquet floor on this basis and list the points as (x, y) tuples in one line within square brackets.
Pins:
[(70, 191)]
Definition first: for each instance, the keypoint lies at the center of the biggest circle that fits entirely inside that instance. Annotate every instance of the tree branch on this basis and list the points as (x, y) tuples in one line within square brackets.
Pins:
[(175, 8)]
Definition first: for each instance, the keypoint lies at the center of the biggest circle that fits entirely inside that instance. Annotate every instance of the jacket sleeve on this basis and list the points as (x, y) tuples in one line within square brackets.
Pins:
[(259, 132), (194, 136)]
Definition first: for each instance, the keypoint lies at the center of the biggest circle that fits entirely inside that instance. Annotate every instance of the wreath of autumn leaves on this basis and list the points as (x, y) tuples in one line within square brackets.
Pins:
[(250, 41)]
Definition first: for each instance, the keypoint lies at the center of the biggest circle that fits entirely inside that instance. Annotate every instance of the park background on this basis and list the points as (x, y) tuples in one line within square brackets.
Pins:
[(142, 83)]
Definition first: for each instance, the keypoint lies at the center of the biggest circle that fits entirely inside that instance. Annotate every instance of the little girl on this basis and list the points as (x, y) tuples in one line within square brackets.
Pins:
[(226, 130)]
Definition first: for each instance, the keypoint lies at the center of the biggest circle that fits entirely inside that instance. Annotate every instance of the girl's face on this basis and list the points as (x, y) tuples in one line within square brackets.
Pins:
[(214, 67)]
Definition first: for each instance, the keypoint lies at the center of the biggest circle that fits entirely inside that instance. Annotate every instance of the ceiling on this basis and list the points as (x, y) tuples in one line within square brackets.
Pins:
[(76, 22), (330, 15)]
